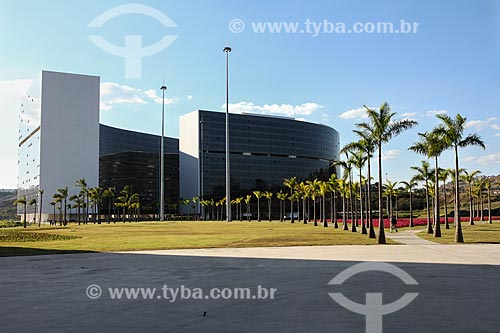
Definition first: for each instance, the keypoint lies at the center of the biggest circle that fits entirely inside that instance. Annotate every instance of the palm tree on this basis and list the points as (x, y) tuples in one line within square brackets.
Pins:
[(469, 179), (487, 186), (367, 145), (98, 194), (269, 197), (409, 186), (347, 166), (75, 199), (195, 201), (313, 190), (84, 192), (333, 188), (133, 203), (63, 194), (359, 159), (424, 174), (31, 203), (344, 192), (432, 145), (123, 200), (247, 200), (382, 129), (291, 183), (186, 203), (303, 189), (109, 193), (480, 189), (258, 195), (53, 204), (323, 189), (22, 201), (238, 201), (443, 176), (390, 192), (58, 200), (452, 130), (282, 197)]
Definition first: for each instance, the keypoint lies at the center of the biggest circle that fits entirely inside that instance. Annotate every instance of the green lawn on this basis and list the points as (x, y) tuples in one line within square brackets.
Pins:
[(479, 233), (171, 235)]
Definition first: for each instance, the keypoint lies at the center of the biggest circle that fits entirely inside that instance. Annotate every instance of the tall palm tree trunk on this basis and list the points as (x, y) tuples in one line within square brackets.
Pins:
[(258, 210), (429, 223), (437, 228), (471, 209), (351, 203), (459, 237), (344, 218), (411, 209), (489, 207), (325, 223), (363, 226), (381, 231), (304, 220), (482, 205), (446, 223), (269, 207), (371, 231), (314, 212)]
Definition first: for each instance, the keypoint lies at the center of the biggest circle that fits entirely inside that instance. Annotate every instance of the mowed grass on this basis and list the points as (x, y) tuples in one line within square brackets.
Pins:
[(179, 235), (479, 233)]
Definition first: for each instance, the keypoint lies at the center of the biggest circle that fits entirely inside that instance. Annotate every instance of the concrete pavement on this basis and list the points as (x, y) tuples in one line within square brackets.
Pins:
[(458, 290)]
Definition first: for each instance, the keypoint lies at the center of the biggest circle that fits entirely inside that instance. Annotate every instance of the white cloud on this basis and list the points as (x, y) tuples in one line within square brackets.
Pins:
[(151, 93), (433, 113), (113, 93), (354, 114), (409, 115), (276, 109), (189, 97), (498, 134), (390, 154), (14, 89), (485, 159), (480, 124)]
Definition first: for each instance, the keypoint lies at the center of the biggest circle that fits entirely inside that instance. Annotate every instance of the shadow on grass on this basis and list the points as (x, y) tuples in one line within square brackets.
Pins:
[(10, 251)]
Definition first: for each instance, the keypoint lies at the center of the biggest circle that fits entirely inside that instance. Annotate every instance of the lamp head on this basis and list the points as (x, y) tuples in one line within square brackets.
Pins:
[(163, 87), (227, 49)]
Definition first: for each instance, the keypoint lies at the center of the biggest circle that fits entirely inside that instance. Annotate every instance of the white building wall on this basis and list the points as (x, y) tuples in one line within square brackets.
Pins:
[(189, 162), (69, 145)]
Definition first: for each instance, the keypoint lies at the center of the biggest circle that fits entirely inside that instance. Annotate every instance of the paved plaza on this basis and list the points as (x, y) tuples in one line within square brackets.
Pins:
[(458, 289)]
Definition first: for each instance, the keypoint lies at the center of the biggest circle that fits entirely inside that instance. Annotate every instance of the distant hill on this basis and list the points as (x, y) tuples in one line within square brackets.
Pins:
[(7, 208)]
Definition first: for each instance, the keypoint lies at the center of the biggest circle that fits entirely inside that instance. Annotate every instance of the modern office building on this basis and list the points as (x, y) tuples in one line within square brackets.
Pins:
[(61, 140), (132, 158), (264, 150), (58, 138)]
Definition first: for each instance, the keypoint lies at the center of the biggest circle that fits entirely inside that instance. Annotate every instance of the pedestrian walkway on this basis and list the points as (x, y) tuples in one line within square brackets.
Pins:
[(409, 237)]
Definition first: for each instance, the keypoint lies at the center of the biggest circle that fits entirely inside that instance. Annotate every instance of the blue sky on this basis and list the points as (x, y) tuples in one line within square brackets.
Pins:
[(451, 64)]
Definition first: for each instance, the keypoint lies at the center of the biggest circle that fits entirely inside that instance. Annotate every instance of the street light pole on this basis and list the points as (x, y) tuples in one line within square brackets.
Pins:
[(227, 49), (202, 196), (162, 157)]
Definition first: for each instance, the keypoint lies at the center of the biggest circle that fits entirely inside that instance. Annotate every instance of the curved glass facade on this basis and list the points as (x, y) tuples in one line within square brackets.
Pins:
[(264, 151)]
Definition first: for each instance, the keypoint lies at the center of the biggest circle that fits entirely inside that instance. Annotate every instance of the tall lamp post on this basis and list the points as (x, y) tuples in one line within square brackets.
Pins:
[(202, 197), (227, 49), (162, 157)]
